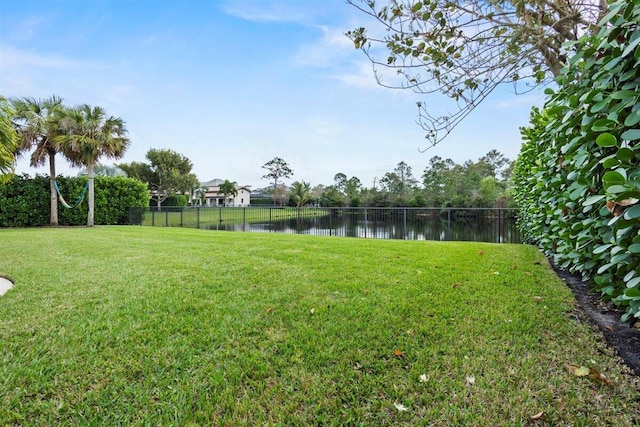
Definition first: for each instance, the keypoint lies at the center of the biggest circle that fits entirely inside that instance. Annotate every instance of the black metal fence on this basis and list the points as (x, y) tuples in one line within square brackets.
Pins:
[(444, 224)]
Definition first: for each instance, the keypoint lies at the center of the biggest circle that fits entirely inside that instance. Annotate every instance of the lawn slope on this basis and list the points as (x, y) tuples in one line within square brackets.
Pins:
[(136, 325)]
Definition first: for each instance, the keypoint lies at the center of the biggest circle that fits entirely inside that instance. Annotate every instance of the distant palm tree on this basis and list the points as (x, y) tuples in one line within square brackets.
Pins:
[(8, 141), (104, 170), (199, 195), (38, 124), (301, 193), (89, 135), (228, 188)]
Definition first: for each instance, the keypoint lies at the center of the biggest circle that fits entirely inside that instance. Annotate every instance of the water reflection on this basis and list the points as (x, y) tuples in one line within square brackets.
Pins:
[(479, 227)]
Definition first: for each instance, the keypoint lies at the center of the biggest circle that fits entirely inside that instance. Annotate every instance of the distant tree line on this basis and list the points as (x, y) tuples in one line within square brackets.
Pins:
[(483, 183)]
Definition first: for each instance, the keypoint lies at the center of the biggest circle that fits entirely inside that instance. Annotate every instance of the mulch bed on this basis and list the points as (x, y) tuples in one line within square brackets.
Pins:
[(619, 335)]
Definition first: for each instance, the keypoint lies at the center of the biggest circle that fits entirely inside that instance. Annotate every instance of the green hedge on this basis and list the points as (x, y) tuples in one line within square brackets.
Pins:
[(577, 177), (24, 201), (177, 200)]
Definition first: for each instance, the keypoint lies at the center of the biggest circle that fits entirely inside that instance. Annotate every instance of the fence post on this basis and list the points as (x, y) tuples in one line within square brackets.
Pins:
[(153, 218), (166, 218), (330, 220), (244, 219), (404, 224), (181, 217), (366, 223), (270, 221)]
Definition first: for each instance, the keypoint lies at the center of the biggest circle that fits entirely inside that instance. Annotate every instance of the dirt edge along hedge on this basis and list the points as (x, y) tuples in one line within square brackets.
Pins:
[(577, 177)]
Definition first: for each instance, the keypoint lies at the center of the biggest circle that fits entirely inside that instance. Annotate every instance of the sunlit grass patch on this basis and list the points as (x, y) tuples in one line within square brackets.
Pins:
[(136, 325)]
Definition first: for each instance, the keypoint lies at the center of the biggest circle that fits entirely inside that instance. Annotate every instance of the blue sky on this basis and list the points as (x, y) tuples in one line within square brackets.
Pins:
[(231, 84)]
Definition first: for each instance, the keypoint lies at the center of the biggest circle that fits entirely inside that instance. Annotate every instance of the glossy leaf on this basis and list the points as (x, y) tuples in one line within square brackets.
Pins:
[(625, 154), (632, 212), (631, 135), (606, 140), (593, 199)]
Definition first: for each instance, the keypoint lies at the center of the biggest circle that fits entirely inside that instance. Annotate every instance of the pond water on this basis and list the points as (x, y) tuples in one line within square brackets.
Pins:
[(478, 228)]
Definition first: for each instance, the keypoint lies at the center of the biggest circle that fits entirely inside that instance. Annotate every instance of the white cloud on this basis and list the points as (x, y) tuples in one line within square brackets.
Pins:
[(261, 11), (25, 29), (13, 57), (360, 76), (327, 51), (534, 98)]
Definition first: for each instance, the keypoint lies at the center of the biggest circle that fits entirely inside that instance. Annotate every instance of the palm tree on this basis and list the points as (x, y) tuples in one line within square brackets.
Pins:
[(8, 141), (89, 135), (38, 126), (104, 170), (301, 193), (228, 188), (199, 195)]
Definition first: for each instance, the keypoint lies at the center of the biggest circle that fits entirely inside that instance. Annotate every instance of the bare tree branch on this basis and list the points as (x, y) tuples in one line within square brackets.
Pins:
[(465, 49)]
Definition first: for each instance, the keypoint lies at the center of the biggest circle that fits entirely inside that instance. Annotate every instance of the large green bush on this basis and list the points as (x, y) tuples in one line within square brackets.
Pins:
[(578, 175), (24, 201), (177, 200)]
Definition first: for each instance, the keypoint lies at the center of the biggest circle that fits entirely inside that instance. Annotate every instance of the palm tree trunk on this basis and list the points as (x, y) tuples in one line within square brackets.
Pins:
[(91, 198), (53, 221)]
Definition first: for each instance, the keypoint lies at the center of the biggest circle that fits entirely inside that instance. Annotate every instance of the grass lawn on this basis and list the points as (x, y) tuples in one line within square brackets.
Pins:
[(166, 326), (216, 216)]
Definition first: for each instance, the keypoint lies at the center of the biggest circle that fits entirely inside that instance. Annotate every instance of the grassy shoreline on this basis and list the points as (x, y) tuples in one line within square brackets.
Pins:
[(215, 216), (140, 325)]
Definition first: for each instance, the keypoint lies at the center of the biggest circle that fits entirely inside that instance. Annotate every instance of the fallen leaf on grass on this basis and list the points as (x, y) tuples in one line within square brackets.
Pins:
[(581, 371), (540, 416), (480, 253), (456, 285), (596, 375), (592, 373), (270, 310), (423, 378), (312, 311), (471, 380), (398, 353), (537, 298), (513, 267), (400, 407)]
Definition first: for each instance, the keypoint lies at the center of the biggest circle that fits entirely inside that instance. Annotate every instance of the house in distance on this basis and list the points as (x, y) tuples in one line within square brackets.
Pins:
[(213, 196)]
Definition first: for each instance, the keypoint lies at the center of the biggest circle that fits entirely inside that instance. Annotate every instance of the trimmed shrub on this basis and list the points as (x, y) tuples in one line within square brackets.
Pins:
[(577, 179), (178, 200), (24, 201)]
